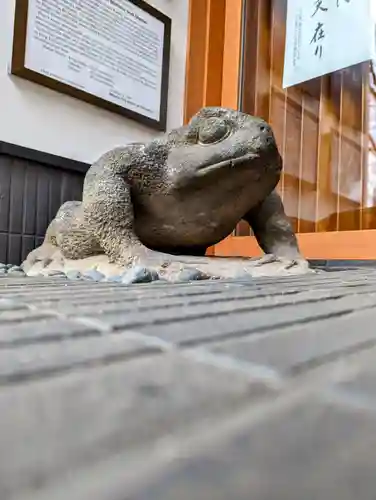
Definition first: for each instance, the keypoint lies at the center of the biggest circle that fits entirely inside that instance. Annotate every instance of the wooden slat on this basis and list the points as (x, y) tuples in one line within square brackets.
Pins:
[(325, 204), (364, 139), (215, 25), (350, 177), (205, 55), (196, 57), (369, 195), (232, 53), (279, 97)]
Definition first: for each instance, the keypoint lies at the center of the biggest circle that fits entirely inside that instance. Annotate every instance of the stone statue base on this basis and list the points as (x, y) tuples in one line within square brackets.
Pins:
[(51, 262)]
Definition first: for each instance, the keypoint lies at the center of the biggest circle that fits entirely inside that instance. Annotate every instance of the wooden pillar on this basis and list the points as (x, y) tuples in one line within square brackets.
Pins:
[(213, 56), (232, 54), (205, 55)]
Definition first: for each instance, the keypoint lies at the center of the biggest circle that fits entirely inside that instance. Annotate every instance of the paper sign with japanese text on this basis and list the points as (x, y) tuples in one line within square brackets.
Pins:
[(323, 36)]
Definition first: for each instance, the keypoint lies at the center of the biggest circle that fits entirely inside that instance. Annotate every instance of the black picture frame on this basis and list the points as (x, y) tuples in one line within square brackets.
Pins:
[(18, 67)]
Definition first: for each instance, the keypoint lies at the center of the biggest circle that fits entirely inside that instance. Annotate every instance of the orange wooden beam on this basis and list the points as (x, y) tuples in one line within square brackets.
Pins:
[(232, 53), (204, 66), (335, 245)]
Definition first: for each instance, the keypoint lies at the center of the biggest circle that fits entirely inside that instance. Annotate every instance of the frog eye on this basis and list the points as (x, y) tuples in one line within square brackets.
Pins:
[(212, 131)]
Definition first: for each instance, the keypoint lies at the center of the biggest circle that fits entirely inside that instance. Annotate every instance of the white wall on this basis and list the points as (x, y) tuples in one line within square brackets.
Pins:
[(35, 117)]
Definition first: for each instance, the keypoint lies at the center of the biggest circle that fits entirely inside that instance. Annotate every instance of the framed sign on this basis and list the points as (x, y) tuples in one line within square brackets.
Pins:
[(114, 54)]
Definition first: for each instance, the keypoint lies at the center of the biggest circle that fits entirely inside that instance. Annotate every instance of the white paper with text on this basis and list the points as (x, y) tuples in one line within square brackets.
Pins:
[(108, 48), (323, 36)]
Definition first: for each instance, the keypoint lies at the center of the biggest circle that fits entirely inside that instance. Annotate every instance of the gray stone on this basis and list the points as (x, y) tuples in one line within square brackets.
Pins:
[(139, 274), (3, 266), (73, 275), (93, 275), (192, 275)]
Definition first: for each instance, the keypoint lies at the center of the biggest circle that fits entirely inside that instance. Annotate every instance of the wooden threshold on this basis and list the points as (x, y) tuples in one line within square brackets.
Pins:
[(335, 245)]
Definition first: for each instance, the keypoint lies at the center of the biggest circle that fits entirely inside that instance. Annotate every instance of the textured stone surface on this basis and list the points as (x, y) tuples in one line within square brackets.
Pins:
[(237, 389)]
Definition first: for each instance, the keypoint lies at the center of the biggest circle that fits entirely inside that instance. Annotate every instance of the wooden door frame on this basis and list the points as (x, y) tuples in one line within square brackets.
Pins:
[(213, 75)]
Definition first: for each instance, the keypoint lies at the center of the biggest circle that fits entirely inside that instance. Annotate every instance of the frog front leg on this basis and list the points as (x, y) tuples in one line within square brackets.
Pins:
[(108, 214), (275, 235)]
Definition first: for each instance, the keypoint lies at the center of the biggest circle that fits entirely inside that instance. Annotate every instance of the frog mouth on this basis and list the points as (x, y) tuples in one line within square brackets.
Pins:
[(228, 164)]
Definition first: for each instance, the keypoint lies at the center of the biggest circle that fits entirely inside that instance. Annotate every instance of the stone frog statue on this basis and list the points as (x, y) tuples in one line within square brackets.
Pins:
[(153, 204)]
